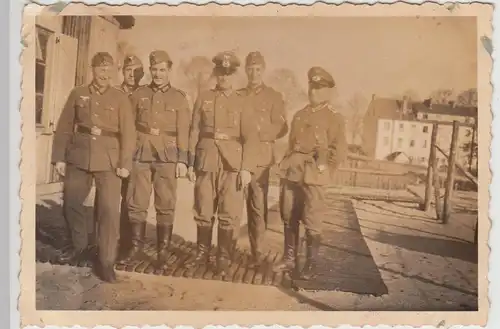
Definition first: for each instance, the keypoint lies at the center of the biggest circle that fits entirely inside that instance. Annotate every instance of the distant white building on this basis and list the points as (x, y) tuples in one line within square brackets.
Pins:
[(412, 138), (401, 132)]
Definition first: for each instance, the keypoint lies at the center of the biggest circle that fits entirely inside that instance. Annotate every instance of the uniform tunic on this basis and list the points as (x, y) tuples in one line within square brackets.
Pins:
[(317, 138), (269, 111), (222, 142), (162, 118), (95, 135)]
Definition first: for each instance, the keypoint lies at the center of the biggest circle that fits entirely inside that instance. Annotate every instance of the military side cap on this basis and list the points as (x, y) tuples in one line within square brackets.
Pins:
[(255, 58), (131, 60), (159, 56), (225, 63), (102, 59), (319, 78)]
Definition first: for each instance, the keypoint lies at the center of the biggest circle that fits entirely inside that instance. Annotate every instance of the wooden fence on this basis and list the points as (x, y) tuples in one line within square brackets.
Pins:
[(435, 180)]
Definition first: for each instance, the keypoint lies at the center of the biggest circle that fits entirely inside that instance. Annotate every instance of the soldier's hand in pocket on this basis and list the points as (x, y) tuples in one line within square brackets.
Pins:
[(191, 175), (181, 170), (122, 172), (61, 168)]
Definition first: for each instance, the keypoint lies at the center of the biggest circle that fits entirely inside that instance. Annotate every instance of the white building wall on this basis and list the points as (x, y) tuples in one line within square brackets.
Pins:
[(413, 138)]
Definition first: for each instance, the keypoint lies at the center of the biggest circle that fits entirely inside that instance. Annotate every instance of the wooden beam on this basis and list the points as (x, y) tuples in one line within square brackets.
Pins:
[(373, 172), (462, 169), (450, 179), (50, 188), (432, 158)]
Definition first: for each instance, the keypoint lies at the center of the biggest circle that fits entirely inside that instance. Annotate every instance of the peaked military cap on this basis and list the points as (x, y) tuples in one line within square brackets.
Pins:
[(255, 58), (131, 60), (102, 59), (159, 56), (226, 63), (319, 78)]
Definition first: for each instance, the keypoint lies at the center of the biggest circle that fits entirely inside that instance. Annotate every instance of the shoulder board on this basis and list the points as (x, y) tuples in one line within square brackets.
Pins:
[(142, 87), (118, 88), (331, 109), (241, 91), (183, 93)]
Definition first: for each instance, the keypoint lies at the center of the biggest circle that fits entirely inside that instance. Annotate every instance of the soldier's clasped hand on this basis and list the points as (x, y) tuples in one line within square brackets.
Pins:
[(122, 172), (245, 178), (61, 168), (191, 175), (181, 170), (321, 168)]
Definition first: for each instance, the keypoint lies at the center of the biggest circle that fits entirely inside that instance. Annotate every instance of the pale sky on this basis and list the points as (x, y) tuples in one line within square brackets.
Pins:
[(385, 56)]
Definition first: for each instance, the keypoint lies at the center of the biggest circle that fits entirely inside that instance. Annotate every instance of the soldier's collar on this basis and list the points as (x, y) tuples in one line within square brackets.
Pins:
[(318, 107), (94, 88), (226, 92), (127, 88), (256, 89), (156, 88)]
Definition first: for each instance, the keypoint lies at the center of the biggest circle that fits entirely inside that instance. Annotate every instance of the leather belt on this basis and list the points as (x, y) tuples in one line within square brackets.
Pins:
[(96, 131), (219, 136), (154, 131)]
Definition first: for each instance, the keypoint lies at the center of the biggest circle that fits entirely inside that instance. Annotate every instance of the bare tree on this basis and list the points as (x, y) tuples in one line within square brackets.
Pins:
[(411, 95), (467, 97), (197, 71), (443, 96), (354, 113), (285, 81)]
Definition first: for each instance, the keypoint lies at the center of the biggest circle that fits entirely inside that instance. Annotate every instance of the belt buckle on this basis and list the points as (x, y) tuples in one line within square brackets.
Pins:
[(154, 131), (96, 131), (221, 136)]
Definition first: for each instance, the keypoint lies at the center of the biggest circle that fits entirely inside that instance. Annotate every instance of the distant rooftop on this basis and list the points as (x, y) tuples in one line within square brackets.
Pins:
[(387, 108), (449, 109)]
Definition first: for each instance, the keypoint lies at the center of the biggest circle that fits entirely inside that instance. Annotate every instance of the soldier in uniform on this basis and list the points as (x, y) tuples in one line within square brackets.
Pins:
[(317, 145), (269, 110), (162, 119), (94, 140), (221, 145), (133, 72)]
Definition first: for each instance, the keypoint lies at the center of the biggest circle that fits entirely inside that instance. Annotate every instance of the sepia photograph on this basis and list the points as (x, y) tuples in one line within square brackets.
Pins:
[(246, 162)]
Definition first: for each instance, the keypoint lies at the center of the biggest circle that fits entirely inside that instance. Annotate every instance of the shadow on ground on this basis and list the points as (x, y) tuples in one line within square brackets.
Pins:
[(442, 247)]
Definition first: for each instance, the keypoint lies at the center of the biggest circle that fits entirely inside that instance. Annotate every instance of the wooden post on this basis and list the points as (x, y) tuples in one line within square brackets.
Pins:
[(473, 141), (432, 158), (450, 177)]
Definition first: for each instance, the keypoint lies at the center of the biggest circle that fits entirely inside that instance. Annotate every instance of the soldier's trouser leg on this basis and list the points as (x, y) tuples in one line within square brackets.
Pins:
[(229, 209), (138, 197), (77, 185), (257, 210), (291, 210), (313, 219), (204, 210), (165, 194), (125, 227), (108, 185)]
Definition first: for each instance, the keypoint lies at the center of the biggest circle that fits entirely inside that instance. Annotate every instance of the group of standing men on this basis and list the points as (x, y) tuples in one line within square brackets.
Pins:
[(134, 140)]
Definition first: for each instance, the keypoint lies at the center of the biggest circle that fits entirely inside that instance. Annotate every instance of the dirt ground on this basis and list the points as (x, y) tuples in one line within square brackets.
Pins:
[(425, 265)]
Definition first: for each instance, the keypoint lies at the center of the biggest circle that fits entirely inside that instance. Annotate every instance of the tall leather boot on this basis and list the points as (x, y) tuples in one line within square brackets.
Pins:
[(105, 272), (138, 233), (164, 236), (225, 244), (287, 263), (204, 242), (313, 243)]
